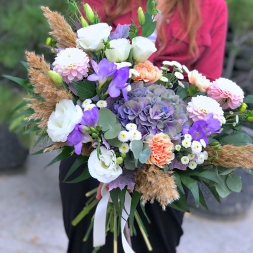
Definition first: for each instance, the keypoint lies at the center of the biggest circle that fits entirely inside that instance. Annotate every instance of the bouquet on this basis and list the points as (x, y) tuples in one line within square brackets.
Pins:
[(143, 132)]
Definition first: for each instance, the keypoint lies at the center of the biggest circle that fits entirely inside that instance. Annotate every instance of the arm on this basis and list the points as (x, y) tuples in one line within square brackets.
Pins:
[(210, 62)]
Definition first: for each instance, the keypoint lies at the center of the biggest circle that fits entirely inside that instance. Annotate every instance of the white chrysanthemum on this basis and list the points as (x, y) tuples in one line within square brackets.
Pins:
[(205, 153), (181, 84), (179, 75), (135, 135), (101, 104), (200, 159), (196, 147), (164, 68), (129, 87), (185, 160), (185, 69), (72, 64), (131, 126), (178, 147), (133, 72), (186, 143), (236, 119), (191, 156), (203, 143), (124, 148), (176, 64), (164, 79), (192, 165), (168, 63), (86, 102), (200, 106), (89, 107), (123, 136), (188, 137)]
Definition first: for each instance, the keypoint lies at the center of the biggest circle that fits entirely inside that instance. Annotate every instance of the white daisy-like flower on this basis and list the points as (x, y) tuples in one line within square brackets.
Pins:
[(135, 135), (124, 148), (205, 155), (129, 88), (234, 124), (123, 136), (89, 107), (236, 119), (203, 143), (164, 68), (191, 156), (86, 102), (185, 69), (196, 147), (168, 63), (123, 64), (185, 160), (186, 143), (179, 75), (200, 159), (192, 165), (188, 137), (164, 79), (131, 126), (176, 64), (101, 104), (133, 72), (178, 147), (181, 84)]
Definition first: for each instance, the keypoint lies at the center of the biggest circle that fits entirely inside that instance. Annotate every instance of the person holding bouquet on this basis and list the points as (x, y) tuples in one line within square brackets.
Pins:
[(191, 32)]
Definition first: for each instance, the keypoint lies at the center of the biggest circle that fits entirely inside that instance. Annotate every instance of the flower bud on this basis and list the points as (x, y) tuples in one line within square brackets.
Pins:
[(84, 23), (214, 143), (119, 160), (243, 107), (55, 77), (141, 16), (250, 118), (48, 41), (89, 13), (123, 155)]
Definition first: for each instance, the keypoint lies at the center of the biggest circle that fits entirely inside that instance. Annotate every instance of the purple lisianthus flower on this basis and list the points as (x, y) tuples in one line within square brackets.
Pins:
[(103, 70), (213, 124), (119, 82), (121, 31), (90, 117), (76, 138)]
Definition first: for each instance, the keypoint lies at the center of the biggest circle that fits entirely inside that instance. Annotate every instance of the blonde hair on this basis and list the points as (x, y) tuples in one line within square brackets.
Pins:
[(189, 11)]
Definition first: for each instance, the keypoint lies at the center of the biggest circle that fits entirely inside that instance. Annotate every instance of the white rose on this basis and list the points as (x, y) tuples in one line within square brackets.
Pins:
[(91, 37), (63, 120), (104, 169), (120, 50), (142, 48)]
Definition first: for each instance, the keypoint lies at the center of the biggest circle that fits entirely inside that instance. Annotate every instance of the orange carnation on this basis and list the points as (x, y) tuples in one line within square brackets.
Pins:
[(147, 72), (162, 149)]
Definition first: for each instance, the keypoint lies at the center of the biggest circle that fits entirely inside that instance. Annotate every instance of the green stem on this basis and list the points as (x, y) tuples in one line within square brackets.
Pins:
[(88, 194), (86, 237), (143, 232), (115, 243)]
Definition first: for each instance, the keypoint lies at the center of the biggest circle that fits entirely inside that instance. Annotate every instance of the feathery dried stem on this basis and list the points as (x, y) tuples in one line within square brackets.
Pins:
[(56, 145), (232, 156), (154, 183), (61, 30), (87, 149)]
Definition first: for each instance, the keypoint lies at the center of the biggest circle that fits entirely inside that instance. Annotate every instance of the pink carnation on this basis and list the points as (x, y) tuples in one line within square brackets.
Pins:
[(72, 64), (200, 106), (198, 80), (227, 93)]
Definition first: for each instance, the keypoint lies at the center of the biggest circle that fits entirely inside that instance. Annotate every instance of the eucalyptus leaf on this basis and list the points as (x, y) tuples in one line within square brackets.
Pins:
[(115, 142), (234, 183), (145, 154), (129, 162), (137, 146), (107, 119), (113, 132)]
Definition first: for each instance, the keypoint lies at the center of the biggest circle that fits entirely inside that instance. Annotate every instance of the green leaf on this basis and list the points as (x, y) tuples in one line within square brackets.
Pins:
[(129, 162), (145, 214), (26, 112), (192, 185), (222, 188), (66, 152), (86, 89), (178, 181), (24, 83), (213, 191), (31, 130), (144, 155), (248, 99), (85, 175), (135, 200), (133, 31), (181, 203), (234, 183), (115, 142), (41, 137), (209, 174), (237, 139), (137, 146), (114, 193), (78, 162), (226, 171), (25, 64), (21, 105), (113, 133), (149, 26), (202, 199)]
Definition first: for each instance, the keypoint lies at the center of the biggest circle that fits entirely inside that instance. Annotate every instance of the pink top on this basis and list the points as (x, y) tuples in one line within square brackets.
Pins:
[(211, 37)]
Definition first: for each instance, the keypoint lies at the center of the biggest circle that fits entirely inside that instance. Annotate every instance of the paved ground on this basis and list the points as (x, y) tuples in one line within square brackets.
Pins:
[(31, 219)]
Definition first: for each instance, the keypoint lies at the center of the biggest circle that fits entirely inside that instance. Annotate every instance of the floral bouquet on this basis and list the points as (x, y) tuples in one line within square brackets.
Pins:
[(142, 131)]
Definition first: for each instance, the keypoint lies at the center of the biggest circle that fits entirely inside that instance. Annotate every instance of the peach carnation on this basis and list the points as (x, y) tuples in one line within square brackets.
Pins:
[(200, 106), (227, 93), (147, 72), (198, 80), (162, 149)]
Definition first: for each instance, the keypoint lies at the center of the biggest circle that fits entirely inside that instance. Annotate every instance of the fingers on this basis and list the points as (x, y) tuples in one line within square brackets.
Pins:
[(99, 196)]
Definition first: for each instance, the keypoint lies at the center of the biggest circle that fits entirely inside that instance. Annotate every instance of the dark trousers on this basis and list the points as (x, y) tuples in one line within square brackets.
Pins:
[(164, 232)]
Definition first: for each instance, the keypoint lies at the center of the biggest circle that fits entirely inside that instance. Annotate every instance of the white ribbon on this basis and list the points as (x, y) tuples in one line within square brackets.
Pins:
[(100, 220)]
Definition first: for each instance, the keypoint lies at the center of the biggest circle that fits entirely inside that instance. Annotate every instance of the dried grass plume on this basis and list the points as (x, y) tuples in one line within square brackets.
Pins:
[(232, 156), (61, 30), (154, 183)]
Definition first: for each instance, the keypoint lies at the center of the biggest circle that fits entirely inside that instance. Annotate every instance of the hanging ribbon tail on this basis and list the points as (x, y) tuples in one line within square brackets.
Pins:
[(100, 218), (124, 218)]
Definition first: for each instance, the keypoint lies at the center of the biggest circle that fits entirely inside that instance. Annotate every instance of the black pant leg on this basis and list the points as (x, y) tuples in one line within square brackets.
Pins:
[(164, 231)]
